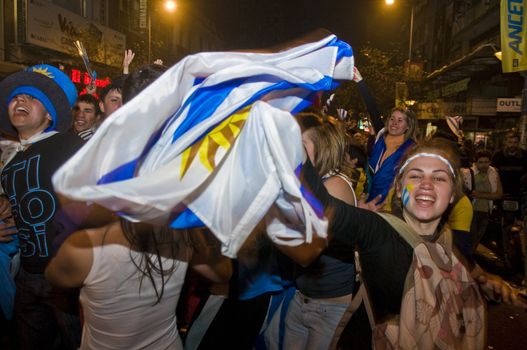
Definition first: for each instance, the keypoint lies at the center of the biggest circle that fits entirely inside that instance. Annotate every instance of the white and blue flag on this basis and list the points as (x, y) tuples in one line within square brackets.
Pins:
[(213, 142)]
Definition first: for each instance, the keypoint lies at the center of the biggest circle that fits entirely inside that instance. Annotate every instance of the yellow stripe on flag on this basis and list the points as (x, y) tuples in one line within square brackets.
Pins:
[(222, 136)]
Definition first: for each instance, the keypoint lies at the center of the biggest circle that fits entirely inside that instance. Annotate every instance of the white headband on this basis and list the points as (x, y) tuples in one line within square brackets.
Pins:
[(432, 155)]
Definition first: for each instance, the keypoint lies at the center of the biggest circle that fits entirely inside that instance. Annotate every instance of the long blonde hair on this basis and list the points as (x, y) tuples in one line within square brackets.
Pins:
[(330, 141), (411, 121)]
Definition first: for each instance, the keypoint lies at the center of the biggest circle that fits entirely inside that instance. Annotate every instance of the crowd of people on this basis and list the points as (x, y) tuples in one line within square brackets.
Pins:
[(79, 275)]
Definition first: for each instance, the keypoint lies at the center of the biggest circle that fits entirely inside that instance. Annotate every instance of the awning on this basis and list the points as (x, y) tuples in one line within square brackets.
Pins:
[(7, 68), (480, 59)]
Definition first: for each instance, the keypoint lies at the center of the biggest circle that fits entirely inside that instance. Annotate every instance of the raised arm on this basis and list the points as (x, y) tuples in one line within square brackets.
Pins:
[(127, 59), (346, 223), (497, 288), (207, 259), (371, 106)]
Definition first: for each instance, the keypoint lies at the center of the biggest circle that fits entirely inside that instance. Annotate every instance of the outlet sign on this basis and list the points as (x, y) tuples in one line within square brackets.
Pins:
[(509, 104)]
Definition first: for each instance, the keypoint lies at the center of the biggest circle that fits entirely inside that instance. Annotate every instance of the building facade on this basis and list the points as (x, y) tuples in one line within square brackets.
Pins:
[(44, 31), (456, 42)]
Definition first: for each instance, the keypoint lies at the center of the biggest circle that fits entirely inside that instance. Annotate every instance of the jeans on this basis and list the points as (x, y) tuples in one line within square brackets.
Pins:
[(46, 317), (310, 323)]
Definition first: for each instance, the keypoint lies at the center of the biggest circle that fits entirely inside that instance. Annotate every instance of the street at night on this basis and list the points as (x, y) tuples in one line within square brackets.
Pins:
[(263, 174)]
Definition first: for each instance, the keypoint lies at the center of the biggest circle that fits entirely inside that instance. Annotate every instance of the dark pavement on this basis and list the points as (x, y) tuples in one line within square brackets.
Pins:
[(507, 327), (506, 324)]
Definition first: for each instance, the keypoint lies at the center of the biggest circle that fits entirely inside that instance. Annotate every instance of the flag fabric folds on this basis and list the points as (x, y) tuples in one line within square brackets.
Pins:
[(212, 142), (455, 123)]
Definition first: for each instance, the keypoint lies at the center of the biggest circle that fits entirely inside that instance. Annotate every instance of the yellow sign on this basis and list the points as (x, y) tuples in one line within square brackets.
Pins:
[(513, 35)]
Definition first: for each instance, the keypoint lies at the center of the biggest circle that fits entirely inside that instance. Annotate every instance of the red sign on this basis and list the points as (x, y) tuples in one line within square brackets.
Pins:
[(77, 77)]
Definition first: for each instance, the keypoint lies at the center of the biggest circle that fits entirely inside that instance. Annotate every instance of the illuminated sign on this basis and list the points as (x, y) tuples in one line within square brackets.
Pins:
[(79, 77)]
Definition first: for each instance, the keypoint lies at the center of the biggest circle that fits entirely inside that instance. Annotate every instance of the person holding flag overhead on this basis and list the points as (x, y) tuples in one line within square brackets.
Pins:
[(35, 107), (203, 129), (205, 145)]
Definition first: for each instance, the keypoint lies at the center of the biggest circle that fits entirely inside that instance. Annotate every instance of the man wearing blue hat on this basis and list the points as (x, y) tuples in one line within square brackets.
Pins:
[(35, 107)]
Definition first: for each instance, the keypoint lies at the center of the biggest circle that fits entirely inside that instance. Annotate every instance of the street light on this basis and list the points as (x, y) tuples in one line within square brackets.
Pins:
[(170, 5), (410, 40)]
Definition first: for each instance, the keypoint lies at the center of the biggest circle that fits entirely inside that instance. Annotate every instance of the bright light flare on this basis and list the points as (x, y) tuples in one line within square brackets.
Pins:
[(170, 5), (389, 2)]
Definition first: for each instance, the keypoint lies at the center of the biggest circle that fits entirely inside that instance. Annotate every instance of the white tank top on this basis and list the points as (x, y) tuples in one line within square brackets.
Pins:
[(119, 315), (345, 178)]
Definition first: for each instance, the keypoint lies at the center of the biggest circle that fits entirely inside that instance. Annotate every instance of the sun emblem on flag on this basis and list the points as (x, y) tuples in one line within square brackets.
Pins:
[(43, 71), (222, 136)]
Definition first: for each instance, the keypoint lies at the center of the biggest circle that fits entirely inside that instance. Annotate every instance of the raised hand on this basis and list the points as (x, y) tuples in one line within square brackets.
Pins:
[(128, 58), (91, 88), (356, 74)]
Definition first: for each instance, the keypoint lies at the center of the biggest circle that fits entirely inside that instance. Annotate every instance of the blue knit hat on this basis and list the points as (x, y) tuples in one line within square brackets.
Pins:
[(48, 84)]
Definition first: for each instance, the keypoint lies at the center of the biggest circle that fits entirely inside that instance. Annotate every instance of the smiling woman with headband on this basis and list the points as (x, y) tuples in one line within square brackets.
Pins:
[(425, 186)]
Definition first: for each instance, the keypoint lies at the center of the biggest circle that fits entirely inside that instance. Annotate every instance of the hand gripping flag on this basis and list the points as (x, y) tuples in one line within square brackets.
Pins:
[(212, 142), (455, 123)]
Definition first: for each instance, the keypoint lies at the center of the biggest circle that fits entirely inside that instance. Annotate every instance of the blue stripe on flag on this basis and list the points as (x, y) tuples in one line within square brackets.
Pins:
[(208, 99), (203, 103), (309, 197), (122, 172), (199, 80), (127, 170), (306, 102), (344, 49), (187, 219)]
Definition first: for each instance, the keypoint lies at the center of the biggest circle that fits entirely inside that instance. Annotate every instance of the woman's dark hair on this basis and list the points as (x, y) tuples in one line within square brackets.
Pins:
[(483, 153), (448, 135), (308, 120), (356, 151), (116, 84), (151, 241), (90, 99), (138, 80)]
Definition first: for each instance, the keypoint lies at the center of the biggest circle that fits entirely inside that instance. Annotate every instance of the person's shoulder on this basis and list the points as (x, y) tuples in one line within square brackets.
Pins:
[(498, 155), (340, 188), (493, 171), (65, 143), (463, 202), (107, 234), (68, 137), (338, 181)]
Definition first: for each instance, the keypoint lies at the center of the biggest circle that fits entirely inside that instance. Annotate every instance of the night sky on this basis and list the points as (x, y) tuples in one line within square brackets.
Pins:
[(260, 23)]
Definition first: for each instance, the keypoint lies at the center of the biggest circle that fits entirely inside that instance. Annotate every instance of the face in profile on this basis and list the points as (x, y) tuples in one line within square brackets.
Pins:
[(426, 189), (307, 141), (112, 102)]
